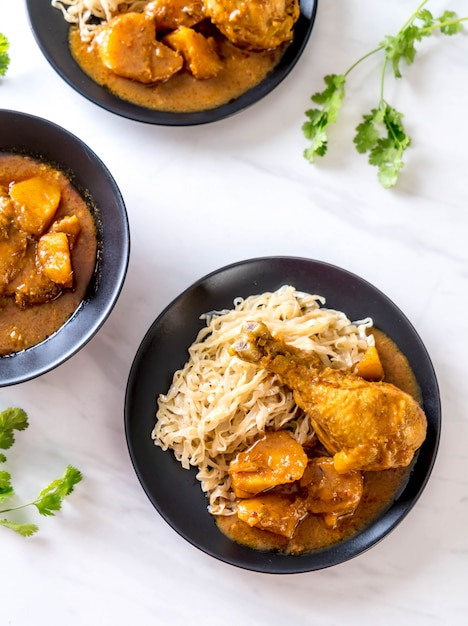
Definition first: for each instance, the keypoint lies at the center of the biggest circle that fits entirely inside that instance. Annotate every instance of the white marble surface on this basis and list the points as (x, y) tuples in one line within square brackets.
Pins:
[(108, 558)]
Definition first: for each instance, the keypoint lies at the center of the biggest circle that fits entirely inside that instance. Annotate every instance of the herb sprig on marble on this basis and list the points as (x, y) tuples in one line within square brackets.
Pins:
[(381, 134), (50, 499)]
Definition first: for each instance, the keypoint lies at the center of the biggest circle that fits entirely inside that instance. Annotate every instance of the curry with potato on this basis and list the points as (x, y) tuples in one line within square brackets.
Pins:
[(307, 504), (48, 251), (179, 55)]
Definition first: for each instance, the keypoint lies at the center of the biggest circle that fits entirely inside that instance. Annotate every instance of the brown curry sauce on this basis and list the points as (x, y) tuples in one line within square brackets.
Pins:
[(380, 488), (182, 93)]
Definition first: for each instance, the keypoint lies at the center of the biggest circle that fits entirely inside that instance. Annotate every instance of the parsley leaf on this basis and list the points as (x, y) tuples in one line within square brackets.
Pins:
[(4, 56)]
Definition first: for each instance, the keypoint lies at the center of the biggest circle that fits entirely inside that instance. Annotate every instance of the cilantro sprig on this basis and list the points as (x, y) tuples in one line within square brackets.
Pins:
[(381, 134), (4, 56), (50, 499)]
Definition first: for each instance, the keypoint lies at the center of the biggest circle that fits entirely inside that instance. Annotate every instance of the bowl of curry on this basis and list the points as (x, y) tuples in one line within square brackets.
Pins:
[(272, 454), (170, 62), (64, 245)]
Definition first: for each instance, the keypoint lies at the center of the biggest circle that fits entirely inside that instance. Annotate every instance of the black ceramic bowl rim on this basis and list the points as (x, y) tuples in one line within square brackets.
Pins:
[(174, 492), (40, 138), (51, 33)]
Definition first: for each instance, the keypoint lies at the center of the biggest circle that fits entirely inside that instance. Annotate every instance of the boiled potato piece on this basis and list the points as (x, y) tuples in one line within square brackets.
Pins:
[(275, 459), (125, 46), (70, 225), (165, 62), (35, 202), (128, 47), (53, 253), (277, 513), (370, 367), (199, 52)]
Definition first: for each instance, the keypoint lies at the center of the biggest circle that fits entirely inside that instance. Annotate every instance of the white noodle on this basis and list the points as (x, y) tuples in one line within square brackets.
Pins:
[(87, 14), (218, 404)]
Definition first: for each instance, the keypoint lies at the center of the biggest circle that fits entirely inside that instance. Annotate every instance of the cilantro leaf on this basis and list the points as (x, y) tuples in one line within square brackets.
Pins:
[(6, 489), (382, 135), (4, 56), (51, 497), (23, 529), (449, 24), (11, 420), (330, 101)]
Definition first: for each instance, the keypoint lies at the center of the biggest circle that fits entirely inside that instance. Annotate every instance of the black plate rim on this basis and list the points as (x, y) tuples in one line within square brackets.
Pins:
[(274, 563), (42, 138), (50, 31)]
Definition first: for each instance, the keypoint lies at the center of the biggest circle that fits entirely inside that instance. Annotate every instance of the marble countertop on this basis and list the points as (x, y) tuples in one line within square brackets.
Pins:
[(108, 557)]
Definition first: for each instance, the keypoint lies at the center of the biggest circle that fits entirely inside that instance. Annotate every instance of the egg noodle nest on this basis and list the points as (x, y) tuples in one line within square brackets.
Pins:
[(87, 14), (218, 404)]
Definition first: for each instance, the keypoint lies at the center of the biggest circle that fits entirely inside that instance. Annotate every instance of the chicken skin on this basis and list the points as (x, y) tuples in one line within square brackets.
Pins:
[(254, 24), (363, 425)]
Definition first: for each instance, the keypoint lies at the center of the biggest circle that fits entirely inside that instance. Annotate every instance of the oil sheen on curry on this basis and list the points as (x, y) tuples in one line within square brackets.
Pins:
[(368, 426), (48, 249), (185, 55)]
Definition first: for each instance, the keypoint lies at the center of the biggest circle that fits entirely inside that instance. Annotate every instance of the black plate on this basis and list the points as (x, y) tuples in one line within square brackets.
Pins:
[(175, 492), (42, 139), (51, 33)]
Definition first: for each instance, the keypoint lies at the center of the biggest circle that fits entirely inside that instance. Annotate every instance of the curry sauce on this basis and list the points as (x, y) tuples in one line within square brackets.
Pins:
[(182, 93), (380, 487)]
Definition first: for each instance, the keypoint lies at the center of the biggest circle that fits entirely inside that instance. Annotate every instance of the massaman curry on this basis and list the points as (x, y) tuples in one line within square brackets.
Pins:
[(186, 55), (368, 425), (48, 248)]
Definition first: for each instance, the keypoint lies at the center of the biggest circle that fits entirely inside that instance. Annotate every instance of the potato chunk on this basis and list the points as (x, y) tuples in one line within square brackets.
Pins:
[(35, 202), (125, 46), (165, 62), (128, 47), (53, 253), (275, 459), (370, 367), (277, 513), (199, 52), (70, 225)]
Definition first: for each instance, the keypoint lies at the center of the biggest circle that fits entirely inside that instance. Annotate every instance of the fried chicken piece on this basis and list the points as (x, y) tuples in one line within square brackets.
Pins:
[(170, 14), (12, 254), (330, 493), (31, 285), (254, 24), (274, 459), (363, 425)]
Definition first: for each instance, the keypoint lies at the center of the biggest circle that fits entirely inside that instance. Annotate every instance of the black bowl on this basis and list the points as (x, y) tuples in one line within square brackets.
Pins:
[(42, 139), (175, 492), (51, 32)]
